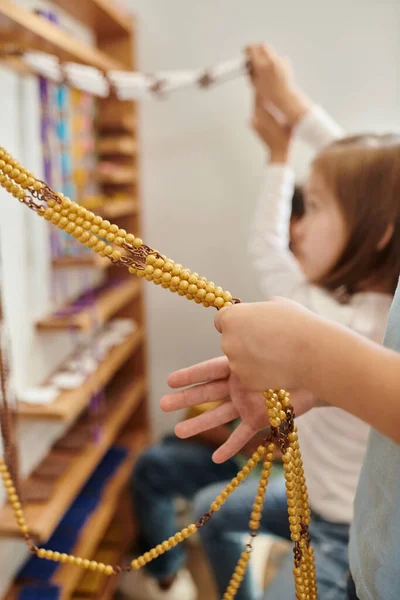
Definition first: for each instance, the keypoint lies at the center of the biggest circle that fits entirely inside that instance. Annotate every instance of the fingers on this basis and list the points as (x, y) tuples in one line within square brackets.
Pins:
[(221, 415), (216, 368), (199, 394), (237, 440)]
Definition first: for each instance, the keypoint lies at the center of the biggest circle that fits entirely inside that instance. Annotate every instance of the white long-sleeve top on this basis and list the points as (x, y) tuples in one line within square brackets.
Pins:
[(332, 441)]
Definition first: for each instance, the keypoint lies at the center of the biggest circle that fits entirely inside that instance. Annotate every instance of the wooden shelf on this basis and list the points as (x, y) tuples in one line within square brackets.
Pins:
[(67, 576), (91, 261), (114, 121), (22, 27), (71, 403), (106, 305), (120, 176), (114, 209), (102, 16), (122, 145), (43, 518)]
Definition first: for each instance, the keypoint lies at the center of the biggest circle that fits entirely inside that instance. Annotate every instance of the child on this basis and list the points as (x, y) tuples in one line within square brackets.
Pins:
[(351, 252), (327, 437)]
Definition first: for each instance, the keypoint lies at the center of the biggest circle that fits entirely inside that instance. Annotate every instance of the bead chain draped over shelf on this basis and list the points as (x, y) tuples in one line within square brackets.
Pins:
[(125, 249)]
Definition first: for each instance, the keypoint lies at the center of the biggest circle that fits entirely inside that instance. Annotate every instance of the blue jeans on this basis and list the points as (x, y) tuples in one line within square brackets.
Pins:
[(222, 539), (172, 469)]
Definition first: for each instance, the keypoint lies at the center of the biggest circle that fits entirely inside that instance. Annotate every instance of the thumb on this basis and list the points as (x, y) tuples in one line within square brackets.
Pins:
[(219, 319)]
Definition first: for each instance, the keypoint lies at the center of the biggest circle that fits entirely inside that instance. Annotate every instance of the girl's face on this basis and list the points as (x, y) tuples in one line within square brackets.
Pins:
[(320, 236)]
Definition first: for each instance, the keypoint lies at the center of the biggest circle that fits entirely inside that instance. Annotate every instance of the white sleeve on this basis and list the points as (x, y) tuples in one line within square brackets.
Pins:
[(278, 271), (317, 128)]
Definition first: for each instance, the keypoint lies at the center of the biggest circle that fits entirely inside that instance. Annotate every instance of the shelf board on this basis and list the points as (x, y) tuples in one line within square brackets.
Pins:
[(70, 403), (114, 209), (22, 27), (111, 145), (120, 176), (102, 16), (105, 306), (112, 121), (90, 261), (67, 576), (43, 518)]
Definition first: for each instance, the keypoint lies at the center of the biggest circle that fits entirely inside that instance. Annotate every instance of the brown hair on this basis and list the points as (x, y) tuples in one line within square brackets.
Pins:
[(363, 172)]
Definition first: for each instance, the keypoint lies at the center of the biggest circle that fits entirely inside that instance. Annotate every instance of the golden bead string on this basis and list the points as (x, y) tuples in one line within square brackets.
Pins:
[(125, 249)]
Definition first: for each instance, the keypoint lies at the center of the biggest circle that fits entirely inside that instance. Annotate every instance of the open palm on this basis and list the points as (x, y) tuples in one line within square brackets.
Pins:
[(212, 381)]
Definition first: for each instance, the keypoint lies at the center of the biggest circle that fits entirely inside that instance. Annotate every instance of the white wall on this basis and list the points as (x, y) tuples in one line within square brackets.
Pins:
[(201, 166)]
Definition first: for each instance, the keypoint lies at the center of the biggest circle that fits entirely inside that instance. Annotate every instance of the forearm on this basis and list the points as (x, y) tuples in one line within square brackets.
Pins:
[(352, 373)]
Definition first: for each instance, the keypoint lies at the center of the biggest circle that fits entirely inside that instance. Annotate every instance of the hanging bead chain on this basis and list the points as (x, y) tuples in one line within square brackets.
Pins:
[(102, 237)]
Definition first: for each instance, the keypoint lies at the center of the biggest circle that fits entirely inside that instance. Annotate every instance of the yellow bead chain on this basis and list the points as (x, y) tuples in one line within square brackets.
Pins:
[(254, 524), (123, 248)]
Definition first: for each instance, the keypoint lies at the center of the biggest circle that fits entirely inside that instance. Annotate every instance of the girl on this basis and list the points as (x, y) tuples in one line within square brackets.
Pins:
[(346, 242)]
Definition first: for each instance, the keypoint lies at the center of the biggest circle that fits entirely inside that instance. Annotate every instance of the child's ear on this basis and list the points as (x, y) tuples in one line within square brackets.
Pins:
[(387, 236)]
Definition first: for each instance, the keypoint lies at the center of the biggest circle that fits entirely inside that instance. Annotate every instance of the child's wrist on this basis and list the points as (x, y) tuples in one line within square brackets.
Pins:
[(296, 106), (279, 156)]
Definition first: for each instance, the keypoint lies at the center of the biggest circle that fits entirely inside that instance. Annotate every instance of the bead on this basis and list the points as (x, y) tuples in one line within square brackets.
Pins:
[(141, 561), (64, 558), (135, 564), (210, 298), (70, 227), (165, 546), (226, 304), (41, 553), (201, 294), (110, 237), (102, 233), (147, 557), (219, 302), (78, 232), (176, 270), (118, 241), (84, 237), (172, 542), (129, 238), (95, 229), (192, 528), (183, 285), (85, 563), (108, 571), (120, 232), (97, 220), (157, 274), (99, 246)]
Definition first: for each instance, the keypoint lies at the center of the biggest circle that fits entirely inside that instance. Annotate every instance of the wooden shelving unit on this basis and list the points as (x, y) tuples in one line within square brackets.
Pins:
[(124, 370), (106, 305)]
